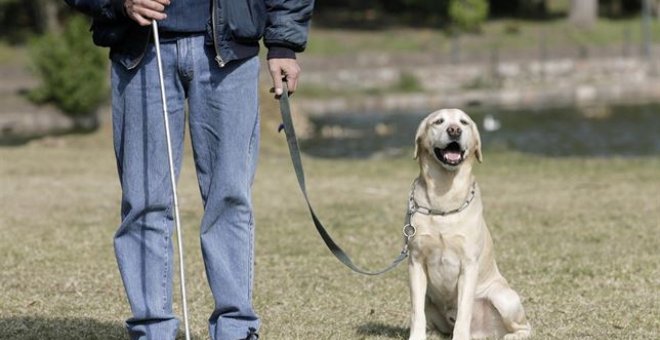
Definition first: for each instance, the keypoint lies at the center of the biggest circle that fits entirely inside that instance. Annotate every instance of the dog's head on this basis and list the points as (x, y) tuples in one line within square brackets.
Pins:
[(450, 137)]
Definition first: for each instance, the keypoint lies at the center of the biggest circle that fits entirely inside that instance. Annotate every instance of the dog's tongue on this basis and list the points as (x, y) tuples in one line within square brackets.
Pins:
[(453, 156)]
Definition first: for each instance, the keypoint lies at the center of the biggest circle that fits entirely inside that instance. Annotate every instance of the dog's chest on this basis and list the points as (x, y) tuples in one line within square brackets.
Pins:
[(443, 268), (440, 243), (441, 257)]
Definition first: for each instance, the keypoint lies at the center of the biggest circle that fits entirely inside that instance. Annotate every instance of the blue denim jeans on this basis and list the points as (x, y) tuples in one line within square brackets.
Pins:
[(224, 129)]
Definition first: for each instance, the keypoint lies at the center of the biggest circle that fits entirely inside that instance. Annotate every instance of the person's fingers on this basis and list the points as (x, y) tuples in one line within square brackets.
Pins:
[(276, 74), (292, 82), (145, 19), (163, 2), (142, 21), (151, 14), (292, 73), (155, 5), (144, 11), (287, 69)]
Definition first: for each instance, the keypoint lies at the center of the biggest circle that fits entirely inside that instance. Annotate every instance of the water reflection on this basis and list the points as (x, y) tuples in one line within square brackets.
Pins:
[(593, 131)]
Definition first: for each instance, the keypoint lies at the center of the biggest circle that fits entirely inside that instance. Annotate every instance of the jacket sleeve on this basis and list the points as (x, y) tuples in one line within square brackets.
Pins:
[(106, 10), (287, 24)]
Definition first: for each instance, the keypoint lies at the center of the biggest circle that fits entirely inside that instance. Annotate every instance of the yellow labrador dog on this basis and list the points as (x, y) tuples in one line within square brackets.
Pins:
[(455, 285)]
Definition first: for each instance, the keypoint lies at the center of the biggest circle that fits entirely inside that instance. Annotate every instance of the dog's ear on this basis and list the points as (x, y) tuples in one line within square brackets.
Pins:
[(421, 130), (477, 140)]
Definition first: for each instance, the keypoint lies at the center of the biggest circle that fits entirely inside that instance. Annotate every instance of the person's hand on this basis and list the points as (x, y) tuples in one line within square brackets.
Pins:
[(144, 11), (284, 69)]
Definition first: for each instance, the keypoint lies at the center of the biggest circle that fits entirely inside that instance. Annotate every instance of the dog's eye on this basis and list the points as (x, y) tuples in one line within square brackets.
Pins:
[(439, 121), (464, 122)]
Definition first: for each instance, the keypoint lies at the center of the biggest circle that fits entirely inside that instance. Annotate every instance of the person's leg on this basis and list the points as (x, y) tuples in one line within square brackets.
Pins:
[(143, 244), (224, 123)]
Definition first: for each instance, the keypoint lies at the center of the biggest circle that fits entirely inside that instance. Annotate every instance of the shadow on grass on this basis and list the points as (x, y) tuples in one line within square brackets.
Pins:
[(380, 329), (46, 327), (55, 328)]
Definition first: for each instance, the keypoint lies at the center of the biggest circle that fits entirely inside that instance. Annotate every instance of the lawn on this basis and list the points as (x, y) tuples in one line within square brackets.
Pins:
[(509, 36), (577, 237)]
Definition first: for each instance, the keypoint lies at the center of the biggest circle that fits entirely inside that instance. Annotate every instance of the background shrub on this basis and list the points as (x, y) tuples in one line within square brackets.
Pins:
[(72, 69), (468, 15)]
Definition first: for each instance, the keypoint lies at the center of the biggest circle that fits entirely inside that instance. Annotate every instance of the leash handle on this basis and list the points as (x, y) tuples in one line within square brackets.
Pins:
[(294, 152)]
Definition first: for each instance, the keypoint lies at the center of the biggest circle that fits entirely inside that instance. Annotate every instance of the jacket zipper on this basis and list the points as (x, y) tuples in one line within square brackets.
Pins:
[(218, 57)]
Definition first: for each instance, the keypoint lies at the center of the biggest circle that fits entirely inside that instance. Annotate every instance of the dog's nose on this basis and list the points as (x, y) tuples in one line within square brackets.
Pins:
[(454, 131)]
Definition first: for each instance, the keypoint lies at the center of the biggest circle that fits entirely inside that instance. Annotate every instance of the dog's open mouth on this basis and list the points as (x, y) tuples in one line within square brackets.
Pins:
[(452, 154)]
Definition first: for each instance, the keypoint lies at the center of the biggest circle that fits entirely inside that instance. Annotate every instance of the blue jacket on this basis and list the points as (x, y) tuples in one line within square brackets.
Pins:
[(236, 27)]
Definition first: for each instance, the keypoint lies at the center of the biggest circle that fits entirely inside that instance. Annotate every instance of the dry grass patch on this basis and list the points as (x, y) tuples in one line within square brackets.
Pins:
[(577, 237)]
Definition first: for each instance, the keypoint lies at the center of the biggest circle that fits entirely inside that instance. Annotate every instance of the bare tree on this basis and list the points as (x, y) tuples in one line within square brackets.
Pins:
[(583, 13), (45, 14)]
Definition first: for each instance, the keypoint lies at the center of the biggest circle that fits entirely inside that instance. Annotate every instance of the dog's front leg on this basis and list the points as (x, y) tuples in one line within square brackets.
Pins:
[(418, 284), (467, 284)]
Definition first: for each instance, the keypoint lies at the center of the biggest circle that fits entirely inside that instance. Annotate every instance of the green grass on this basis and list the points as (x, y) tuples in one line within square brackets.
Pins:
[(500, 40), (504, 34), (12, 55), (577, 237), (344, 41)]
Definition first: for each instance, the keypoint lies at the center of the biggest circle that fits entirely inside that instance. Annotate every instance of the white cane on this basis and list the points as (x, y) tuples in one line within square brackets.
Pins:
[(179, 236)]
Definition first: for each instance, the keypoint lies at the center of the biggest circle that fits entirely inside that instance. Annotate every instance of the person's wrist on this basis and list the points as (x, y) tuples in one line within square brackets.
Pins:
[(279, 52)]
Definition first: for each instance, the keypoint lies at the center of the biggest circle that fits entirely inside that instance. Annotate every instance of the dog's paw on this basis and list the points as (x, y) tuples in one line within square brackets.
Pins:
[(417, 336), (519, 335)]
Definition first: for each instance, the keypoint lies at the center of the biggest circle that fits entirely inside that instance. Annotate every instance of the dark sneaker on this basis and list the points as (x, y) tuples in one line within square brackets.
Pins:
[(252, 335)]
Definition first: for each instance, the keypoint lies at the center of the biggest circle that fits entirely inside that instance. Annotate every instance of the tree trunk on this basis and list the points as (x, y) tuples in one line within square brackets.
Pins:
[(44, 13), (534, 8), (583, 13)]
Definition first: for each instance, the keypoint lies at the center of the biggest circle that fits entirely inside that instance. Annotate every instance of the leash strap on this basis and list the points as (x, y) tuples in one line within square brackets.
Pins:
[(294, 151)]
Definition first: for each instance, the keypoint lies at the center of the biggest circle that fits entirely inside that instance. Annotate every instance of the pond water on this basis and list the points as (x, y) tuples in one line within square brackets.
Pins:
[(592, 131)]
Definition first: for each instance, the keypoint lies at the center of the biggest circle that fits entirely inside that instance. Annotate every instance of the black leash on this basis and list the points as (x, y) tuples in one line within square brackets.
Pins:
[(294, 151)]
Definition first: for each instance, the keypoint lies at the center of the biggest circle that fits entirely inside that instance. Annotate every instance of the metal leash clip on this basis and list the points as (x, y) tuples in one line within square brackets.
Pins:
[(409, 231)]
